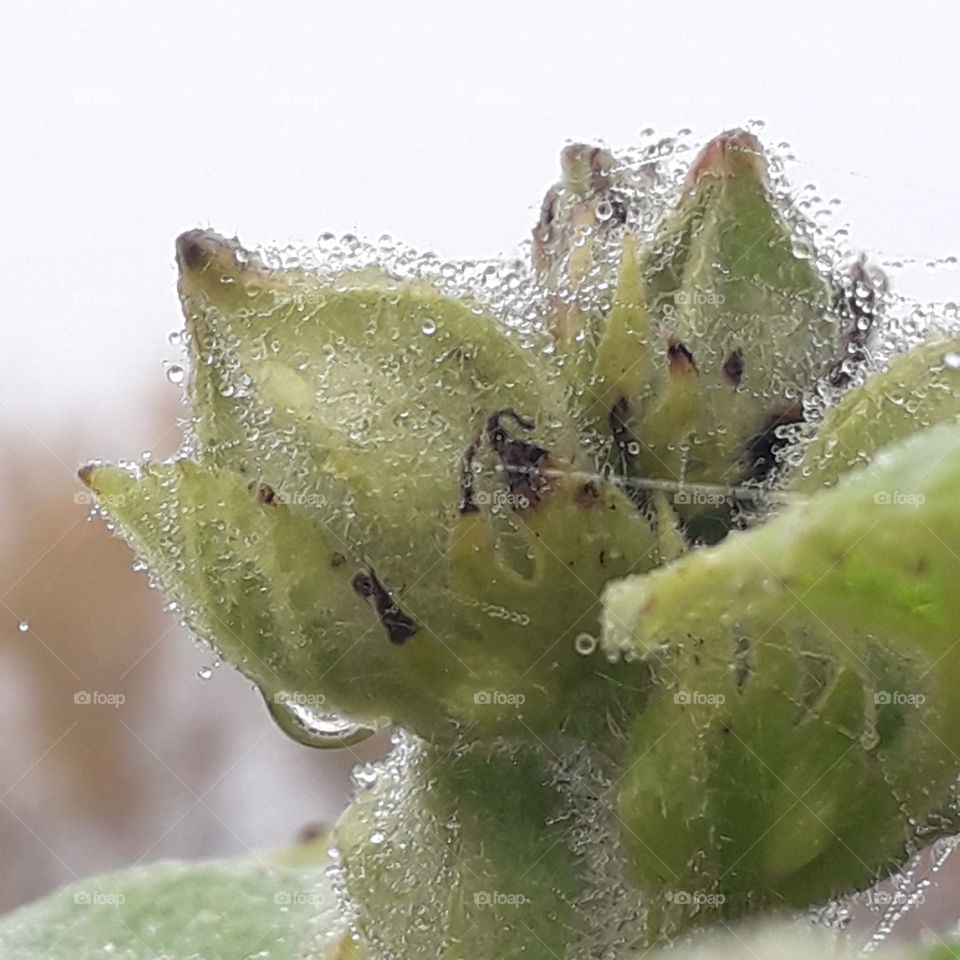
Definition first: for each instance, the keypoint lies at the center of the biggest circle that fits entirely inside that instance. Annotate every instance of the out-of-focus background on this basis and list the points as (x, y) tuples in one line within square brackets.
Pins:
[(124, 124)]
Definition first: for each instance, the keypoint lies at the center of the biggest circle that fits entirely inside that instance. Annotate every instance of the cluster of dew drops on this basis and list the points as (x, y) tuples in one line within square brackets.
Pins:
[(650, 176)]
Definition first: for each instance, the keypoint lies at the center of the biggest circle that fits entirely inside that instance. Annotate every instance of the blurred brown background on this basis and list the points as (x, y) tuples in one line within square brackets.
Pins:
[(183, 767)]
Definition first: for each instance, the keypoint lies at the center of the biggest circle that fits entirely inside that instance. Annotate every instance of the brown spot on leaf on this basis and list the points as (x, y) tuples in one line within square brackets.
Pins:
[(521, 459), (468, 501), (680, 358), (337, 560), (587, 495), (733, 367), (266, 495), (399, 626)]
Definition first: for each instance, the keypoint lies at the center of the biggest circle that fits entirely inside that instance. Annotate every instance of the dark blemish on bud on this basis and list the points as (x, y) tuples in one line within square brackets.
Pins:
[(520, 459), (337, 560), (603, 557), (587, 495), (398, 625), (468, 501), (763, 447), (362, 584), (725, 728), (733, 367), (741, 664), (922, 565), (680, 358), (266, 495)]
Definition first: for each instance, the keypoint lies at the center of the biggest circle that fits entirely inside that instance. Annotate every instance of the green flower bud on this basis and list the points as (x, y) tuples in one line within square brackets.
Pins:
[(380, 503), (737, 329), (579, 217)]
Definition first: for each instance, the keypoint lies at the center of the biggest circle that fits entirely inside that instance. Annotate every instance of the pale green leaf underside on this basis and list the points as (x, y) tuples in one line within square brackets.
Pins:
[(219, 910)]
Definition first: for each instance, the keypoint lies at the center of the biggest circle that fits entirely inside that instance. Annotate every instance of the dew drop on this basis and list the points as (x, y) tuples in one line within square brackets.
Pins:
[(952, 360), (429, 328), (313, 728), (585, 644), (175, 373), (205, 673), (604, 210), (23, 626)]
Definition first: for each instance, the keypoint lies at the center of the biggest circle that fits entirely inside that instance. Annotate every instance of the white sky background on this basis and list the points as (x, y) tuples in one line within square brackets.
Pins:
[(122, 125)]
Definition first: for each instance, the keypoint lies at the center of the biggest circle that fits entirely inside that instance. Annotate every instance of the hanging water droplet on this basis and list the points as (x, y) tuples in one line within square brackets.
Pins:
[(378, 836), (175, 373), (205, 673), (585, 644), (312, 728), (23, 626)]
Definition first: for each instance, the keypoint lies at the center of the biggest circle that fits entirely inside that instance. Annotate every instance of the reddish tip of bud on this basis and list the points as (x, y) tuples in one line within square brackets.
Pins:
[(194, 249), (728, 154), (86, 474), (197, 249)]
